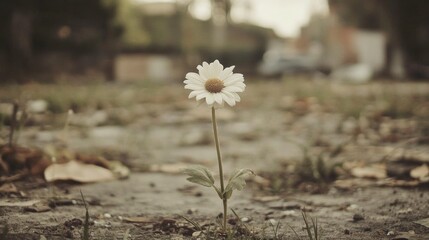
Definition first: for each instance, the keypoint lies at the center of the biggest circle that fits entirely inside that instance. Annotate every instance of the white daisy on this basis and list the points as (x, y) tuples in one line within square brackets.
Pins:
[(216, 84)]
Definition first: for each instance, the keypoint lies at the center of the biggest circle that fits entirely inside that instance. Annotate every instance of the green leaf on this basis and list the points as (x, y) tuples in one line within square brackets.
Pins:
[(236, 182), (200, 175)]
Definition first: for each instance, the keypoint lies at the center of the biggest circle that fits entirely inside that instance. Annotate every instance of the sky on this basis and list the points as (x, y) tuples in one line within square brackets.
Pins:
[(285, 17)]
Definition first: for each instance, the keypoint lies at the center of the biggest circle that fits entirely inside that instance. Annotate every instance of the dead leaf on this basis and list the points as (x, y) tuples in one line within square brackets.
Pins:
[(347, 184), (137, 220), (391, 182), (260, 180), (119, 169), (18, 204), (15, 177), (420, 173), (374, 172), (92, 159), (8, 188), (38, 165), (17, 158), (38, 207), (77, 171), (423, 222)]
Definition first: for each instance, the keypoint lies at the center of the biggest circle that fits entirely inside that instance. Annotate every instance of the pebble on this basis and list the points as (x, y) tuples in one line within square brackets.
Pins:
[(352, 207), (288, 213), (192, 211), (358, 217), (37, 106), (196, 234), (272, 222)]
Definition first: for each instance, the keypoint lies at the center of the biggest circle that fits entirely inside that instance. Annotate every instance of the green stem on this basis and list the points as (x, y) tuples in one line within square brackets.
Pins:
[(219, 159)]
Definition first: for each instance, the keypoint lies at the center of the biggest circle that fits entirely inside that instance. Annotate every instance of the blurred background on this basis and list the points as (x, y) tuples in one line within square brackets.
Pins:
[(132, 40), (336, 108)]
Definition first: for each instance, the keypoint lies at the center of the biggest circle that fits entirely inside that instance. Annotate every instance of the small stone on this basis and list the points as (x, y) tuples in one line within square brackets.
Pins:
[(37, 106), (107, 215), (73, 223), (232, 221), (358, 217), (288, 213), (272, 222), (196, 234), (405, 211), (390, 233), (352, 207), (192, 211), (245, 219)]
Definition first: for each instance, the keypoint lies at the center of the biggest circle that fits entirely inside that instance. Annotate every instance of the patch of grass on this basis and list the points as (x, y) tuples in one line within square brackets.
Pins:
[(316, 167), (312, 228), (62, 97), (396, 100)]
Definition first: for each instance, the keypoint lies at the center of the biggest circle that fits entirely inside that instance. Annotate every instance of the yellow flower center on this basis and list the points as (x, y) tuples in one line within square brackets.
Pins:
[(214, 85)]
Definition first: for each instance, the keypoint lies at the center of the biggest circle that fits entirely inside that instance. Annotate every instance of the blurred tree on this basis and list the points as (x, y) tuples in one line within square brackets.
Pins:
[(406, 24), (29, 29)]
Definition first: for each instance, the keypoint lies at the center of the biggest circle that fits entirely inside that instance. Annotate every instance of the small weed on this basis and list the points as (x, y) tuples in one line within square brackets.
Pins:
[(126, 234), (315, 167), (312, 228), (85, 235), (196, 225)]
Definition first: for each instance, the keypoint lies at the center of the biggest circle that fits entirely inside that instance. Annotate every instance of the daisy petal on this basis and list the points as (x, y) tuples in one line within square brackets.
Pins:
[(233, 89), (194, 87), (202, 95), (210, 99), (236, 97), (191, 81), (216, 68), (203, 70), (193, 76), (240, 85), (226, 73), (218, 98), (236, 77), (195, 93), (229, 100)]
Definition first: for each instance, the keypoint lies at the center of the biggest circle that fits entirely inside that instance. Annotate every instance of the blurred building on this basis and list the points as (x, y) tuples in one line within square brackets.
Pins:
[(343, 46), (45, 40)]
